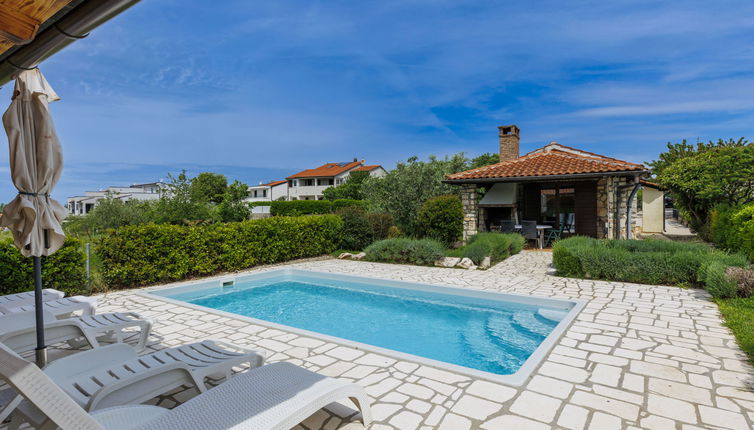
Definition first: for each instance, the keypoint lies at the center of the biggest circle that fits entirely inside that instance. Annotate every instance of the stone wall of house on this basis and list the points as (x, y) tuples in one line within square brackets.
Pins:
[(470, 198), (611, 207)]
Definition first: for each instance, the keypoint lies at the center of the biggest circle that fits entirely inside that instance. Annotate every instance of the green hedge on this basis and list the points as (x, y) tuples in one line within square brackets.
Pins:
[(64, 270), (657, 262), (423, 252), (311, 207), (144, 254), (733, 228)]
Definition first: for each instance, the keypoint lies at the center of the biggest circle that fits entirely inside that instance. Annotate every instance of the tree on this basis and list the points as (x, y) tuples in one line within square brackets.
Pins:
[(484, 160), (208, 187), (404, 189), (177, 205), (352, 188), (233, 206), (707, 175)]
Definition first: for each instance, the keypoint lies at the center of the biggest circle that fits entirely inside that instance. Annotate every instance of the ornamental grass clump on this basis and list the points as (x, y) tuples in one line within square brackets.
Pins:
[(423, 252)]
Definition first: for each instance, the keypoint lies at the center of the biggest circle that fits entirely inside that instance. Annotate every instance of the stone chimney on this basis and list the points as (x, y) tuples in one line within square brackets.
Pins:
[(509, 141)]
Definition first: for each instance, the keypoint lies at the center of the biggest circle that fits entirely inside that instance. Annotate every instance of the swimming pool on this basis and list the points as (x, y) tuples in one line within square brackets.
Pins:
[(485, 334)]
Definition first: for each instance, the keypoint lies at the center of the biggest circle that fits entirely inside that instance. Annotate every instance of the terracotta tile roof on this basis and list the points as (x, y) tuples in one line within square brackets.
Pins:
[(551, 160), (651, 184), (326, 170), (367, 168), (273, 183)]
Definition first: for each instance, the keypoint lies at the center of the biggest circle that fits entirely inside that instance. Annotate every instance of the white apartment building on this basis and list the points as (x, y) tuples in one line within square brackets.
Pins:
[(309, 184), (82, 205)]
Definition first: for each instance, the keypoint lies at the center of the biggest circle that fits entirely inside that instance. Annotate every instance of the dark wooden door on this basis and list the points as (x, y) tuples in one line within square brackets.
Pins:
[(586, 208)]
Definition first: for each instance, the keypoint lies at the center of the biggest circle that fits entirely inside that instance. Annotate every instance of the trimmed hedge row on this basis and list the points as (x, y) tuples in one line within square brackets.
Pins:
[(64, 270), (311, 207), (733, 229), (144, 254), (644, 261)]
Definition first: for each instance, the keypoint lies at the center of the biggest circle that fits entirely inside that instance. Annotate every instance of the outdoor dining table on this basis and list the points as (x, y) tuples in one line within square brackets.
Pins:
[(540, 233)]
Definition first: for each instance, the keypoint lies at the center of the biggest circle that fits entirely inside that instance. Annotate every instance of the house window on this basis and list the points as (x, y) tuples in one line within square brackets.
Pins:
[(264, 193), (324, 181)]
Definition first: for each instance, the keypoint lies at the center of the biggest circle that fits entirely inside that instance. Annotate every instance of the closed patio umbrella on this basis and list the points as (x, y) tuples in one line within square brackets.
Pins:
[(36, 163)]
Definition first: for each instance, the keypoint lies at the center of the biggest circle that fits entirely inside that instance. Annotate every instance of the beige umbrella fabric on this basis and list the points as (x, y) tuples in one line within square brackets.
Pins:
[(36, 162)]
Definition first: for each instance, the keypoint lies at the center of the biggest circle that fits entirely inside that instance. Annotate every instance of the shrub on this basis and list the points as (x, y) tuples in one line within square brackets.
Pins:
[(380, 224), (139, 255), (498, 246), (64, 270), (441, 218), (357, 231), (300, 207), (310, 207), (402, 250), (394, 232), (744, 278), (716, 281), (646, 261), (733, 228)]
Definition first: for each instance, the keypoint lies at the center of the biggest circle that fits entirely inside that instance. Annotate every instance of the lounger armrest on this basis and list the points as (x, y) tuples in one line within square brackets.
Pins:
[(23, 339), (143, 386)]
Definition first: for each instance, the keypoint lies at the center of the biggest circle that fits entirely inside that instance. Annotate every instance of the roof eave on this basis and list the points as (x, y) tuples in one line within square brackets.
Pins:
[(545, 177)]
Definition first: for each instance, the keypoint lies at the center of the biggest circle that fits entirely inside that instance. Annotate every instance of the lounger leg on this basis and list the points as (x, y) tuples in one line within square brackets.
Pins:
[(366, 412)]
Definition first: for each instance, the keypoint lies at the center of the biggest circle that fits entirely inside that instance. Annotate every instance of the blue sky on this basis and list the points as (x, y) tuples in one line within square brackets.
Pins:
[(258, 90)]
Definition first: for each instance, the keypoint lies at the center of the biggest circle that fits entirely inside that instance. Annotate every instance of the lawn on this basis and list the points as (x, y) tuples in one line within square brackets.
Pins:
[(739, 317)]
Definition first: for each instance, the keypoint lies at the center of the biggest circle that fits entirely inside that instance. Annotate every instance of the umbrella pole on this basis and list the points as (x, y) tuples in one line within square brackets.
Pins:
[(41, 350)]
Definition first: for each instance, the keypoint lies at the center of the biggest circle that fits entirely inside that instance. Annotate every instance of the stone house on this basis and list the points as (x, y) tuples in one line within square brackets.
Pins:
[(589, 194)]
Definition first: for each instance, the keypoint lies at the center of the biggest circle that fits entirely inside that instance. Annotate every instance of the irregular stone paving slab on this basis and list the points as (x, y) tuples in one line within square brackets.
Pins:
[(637, 356)]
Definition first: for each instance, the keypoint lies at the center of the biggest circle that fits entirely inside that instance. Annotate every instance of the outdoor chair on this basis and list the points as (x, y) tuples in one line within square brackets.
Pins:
[(508, 226), (554, 235), (27, 298), (18, 331), (58, 308), (529, 230), (272, 397)]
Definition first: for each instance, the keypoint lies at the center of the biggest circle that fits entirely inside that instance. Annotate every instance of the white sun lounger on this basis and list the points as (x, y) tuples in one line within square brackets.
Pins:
[(27, 298), (18, 330), (62, 307), (114, 375), (273, 397)]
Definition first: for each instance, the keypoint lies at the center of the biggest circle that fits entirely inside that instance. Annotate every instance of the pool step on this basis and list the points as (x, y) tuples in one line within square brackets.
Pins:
[(533, 323), (510, 336), (478, 343)]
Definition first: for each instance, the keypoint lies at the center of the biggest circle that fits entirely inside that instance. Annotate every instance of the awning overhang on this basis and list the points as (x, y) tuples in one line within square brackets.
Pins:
[(500, 195)]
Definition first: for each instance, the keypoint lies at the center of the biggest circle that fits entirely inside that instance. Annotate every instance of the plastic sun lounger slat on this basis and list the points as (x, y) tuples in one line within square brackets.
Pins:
[(27, 297), (59, 307), (272, 397)]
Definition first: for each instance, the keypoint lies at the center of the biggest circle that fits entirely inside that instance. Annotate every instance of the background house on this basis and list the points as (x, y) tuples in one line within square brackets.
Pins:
[(586, 193), (309, 184), (271, 191), (82, 205)]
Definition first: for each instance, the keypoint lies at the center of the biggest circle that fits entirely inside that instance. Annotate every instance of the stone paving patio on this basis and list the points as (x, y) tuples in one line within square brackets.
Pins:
[(637, 357)]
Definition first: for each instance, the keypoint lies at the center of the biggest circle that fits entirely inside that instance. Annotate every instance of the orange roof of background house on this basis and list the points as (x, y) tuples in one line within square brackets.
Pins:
[(326, 170), (367, 168), (550, 160), (273, 183)]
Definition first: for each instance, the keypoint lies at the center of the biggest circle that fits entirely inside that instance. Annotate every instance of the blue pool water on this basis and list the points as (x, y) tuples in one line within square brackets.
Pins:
[(490, 335)]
